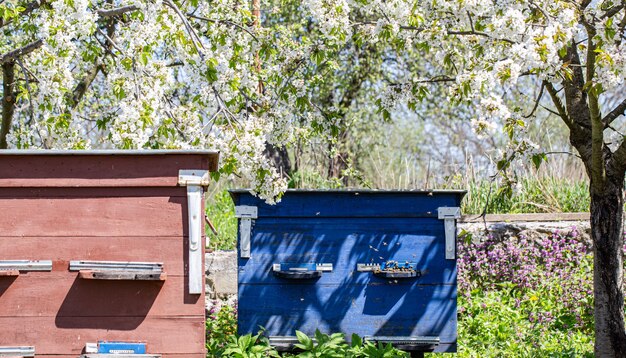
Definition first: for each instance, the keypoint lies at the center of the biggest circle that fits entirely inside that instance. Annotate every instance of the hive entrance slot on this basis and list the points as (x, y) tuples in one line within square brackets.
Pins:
[(409, 344), (114, 270), (118, 355)]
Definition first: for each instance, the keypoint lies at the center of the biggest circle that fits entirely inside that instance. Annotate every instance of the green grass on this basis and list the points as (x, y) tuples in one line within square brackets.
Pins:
[(531, 195), (220, 209)]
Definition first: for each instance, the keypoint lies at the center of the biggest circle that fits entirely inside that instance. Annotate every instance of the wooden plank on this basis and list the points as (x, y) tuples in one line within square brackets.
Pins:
[(378, 310), (143, 216), (353, 204), (58, 294), (82, 192), (99, 170), (68, 335), (531, 217), (170, 250), (344, 244)]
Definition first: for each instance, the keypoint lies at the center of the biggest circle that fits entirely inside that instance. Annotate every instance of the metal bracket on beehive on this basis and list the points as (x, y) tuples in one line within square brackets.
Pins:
[(195, 181), (13, 267), (22, 351), (119, 270), (449, 216), (245, 214)]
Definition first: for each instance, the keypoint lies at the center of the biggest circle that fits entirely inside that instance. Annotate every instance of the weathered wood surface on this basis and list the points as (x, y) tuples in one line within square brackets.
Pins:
[(67, 335), (533, 217), (85, 192), (400, 204), (63, 249), (4, 273), (123, 216), (99, 170), (53, 294)]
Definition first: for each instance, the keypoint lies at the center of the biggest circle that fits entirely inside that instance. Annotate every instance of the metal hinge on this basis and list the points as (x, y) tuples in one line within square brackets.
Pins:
[(245, 214), (449, 216), (195, 181), (23, 351)]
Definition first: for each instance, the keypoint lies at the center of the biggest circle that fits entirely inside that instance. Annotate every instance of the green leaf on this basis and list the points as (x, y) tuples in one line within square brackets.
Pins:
[(538, 159), (127, 63)]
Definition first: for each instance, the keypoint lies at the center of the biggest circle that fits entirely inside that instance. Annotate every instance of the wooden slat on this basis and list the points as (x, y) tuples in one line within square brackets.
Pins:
[(144, 216), (68, 335), (82, 192), (532, 217), (99, 170), (171, 251), (58, 294), (352, 204), (379, 310)]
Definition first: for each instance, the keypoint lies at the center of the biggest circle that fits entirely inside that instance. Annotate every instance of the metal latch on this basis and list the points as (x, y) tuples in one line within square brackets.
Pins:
[(23, 351), (195, 181), (245, 214), (301, 271), (392, 269), (449, 216)]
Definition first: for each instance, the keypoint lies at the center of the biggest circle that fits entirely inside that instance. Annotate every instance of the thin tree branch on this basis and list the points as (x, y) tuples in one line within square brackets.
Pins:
[(195, 39), (225, 22), (12, 55), (117, 11), (562, 112), (437, 79), (612, 11), (82, 86), (543, 85), (550, 110), (30, 100), (110, 40), (616, 112), (478, 33), (568, 153)]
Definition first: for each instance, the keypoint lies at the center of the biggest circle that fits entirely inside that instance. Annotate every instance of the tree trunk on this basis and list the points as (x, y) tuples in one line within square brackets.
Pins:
[(8, 101), (607, 233), (279, 158)]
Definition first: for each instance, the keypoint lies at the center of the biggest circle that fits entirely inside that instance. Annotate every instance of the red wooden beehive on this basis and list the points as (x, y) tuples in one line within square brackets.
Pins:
[(113, 206)]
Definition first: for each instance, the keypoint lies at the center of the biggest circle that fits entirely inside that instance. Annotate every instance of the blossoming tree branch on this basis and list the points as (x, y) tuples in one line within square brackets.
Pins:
[(182, 74)]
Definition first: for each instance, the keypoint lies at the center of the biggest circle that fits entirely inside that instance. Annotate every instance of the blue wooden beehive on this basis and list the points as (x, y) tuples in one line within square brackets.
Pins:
[(381, 264)]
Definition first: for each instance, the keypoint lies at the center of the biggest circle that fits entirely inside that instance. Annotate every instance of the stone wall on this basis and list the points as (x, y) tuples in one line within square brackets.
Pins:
[(221, 266)]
